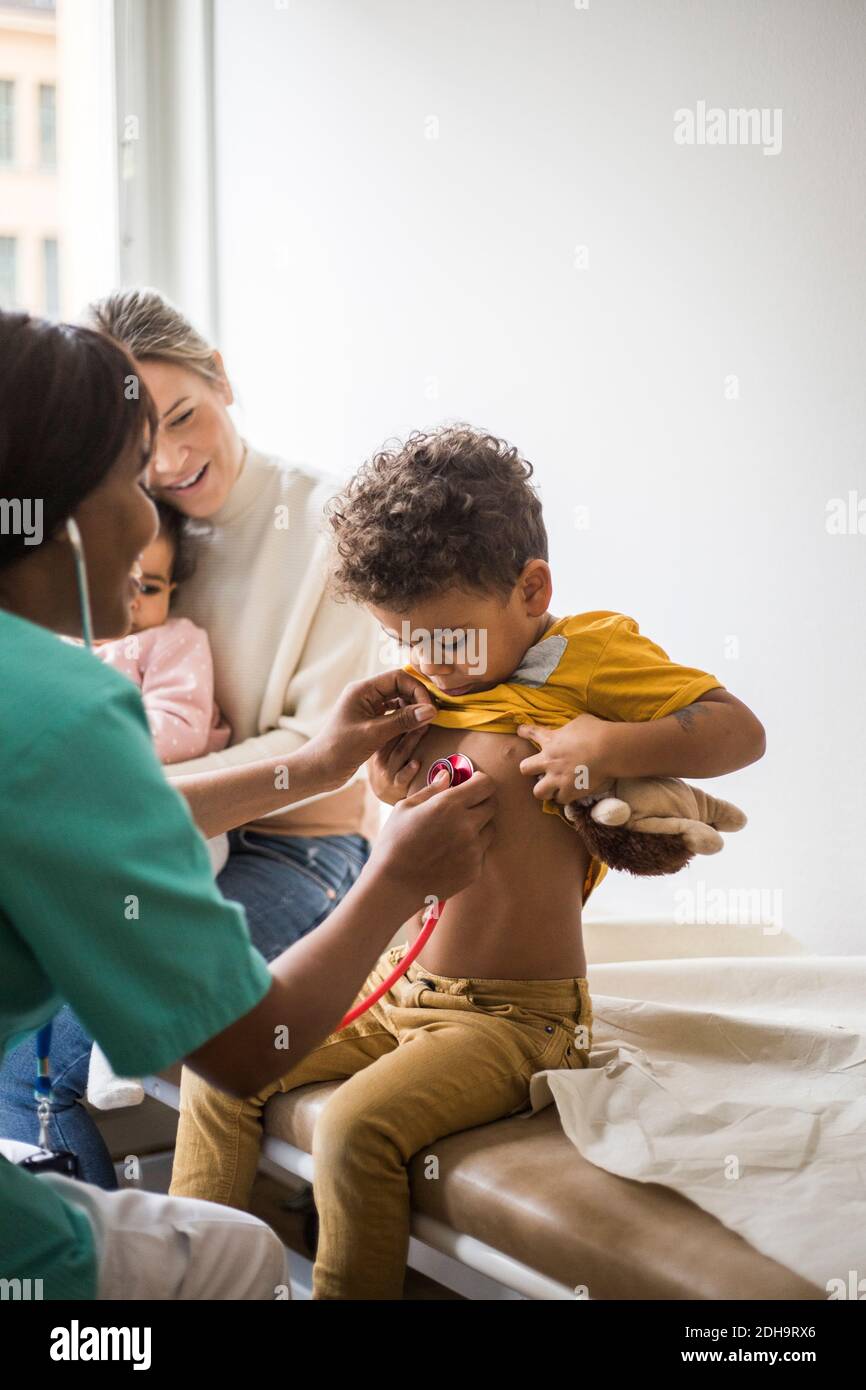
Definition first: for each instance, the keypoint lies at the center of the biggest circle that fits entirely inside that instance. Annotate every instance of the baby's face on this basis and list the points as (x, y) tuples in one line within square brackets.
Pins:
[(150, 606), (464, 641)]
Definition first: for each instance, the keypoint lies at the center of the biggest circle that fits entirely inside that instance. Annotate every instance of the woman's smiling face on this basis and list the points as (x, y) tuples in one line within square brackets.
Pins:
[(197, 457)]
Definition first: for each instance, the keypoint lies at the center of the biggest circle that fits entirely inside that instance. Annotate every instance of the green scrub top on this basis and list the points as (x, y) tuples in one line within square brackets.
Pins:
[(107, 901)]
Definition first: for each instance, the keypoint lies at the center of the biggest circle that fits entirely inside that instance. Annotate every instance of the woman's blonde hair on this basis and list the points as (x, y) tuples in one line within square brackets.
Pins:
[(152, 329)]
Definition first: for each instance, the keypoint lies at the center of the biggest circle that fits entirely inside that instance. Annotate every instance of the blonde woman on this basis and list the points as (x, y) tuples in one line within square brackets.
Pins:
[(283, 652)]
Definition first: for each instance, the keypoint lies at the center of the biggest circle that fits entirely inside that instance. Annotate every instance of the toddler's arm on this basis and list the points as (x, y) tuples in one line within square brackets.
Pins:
[(715, 734), (178, 693), (646, 716)]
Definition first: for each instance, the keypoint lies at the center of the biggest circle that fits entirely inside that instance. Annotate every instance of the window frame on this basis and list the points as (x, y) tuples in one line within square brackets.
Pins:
[(8, 240), (47, 165), (12, 160)]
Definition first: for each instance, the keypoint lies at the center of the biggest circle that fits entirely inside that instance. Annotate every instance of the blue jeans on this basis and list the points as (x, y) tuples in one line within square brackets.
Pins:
[(287, 884)]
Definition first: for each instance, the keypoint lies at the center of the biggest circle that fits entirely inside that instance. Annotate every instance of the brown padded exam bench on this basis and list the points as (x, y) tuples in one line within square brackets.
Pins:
[(517, 1211)]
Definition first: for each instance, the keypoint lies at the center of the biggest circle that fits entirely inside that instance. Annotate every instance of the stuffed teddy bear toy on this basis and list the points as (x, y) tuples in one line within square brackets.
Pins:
[(652, 825)]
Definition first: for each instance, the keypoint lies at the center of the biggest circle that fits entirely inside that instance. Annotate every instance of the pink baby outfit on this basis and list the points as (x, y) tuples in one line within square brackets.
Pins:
[(173, 668)]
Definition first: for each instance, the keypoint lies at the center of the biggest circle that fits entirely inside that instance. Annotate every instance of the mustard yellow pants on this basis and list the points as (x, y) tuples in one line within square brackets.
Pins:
[(435, 1055)]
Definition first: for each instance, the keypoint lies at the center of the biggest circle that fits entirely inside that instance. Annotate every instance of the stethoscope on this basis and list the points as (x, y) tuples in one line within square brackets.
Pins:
[(459, 769)]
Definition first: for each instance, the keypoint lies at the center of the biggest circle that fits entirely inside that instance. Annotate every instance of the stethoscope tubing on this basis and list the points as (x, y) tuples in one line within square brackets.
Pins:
[(460, 769)]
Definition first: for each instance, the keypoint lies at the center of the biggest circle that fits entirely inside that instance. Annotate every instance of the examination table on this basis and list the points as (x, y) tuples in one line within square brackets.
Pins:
[(516, 1211)]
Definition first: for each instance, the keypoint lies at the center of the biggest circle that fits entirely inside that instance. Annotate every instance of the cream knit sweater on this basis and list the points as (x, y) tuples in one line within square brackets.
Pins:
[(283, 649)]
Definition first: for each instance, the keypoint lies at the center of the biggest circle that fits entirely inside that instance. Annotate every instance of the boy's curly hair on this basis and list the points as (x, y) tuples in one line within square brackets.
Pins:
[(450, 509)]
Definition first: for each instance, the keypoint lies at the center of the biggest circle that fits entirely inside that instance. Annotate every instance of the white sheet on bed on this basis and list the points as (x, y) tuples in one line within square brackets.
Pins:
[(740, 1082)]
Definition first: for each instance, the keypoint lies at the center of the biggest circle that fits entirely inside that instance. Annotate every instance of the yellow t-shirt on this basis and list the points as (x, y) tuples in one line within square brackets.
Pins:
[(593, 663)]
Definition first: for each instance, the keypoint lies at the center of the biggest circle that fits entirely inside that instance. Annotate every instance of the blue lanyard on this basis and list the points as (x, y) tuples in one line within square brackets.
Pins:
[(42, 1090)]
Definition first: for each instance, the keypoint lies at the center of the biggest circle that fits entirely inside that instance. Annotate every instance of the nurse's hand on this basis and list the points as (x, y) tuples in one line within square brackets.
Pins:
[(368, 715), (433, 843)]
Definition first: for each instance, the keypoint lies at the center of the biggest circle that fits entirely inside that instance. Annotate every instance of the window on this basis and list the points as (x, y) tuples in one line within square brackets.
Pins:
[(58, 74), (51, 269), (7, 122), (8, 272), (47, 126)]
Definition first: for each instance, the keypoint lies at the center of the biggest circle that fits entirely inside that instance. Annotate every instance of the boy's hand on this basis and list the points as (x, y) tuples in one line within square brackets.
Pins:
[(713, 735), (572, 762), (391, 769)]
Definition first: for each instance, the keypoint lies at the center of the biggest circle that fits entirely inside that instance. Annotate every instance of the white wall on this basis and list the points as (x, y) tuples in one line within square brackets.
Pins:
[(374, 279)]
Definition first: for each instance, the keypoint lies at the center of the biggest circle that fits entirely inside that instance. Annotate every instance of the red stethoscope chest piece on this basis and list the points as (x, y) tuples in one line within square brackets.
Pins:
[(458, 767)]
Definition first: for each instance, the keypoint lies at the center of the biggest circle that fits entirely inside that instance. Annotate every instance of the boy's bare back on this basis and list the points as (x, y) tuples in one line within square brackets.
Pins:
[(521, 919)]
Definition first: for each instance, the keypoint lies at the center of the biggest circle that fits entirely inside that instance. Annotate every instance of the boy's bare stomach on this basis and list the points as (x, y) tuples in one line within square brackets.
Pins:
[(520, 919)]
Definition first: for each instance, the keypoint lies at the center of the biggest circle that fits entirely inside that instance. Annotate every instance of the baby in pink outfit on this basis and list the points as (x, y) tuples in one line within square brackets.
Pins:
[(169, 658)]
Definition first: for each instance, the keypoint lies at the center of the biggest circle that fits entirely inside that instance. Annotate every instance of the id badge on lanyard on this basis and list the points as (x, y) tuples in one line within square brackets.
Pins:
[(47, 1160)]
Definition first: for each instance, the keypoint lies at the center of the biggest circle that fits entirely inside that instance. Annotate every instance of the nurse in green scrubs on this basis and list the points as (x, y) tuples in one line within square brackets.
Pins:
[(106, 894)]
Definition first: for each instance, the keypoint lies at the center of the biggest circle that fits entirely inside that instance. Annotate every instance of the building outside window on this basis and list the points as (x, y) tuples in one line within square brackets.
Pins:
[(31, 224), (59, 178)]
